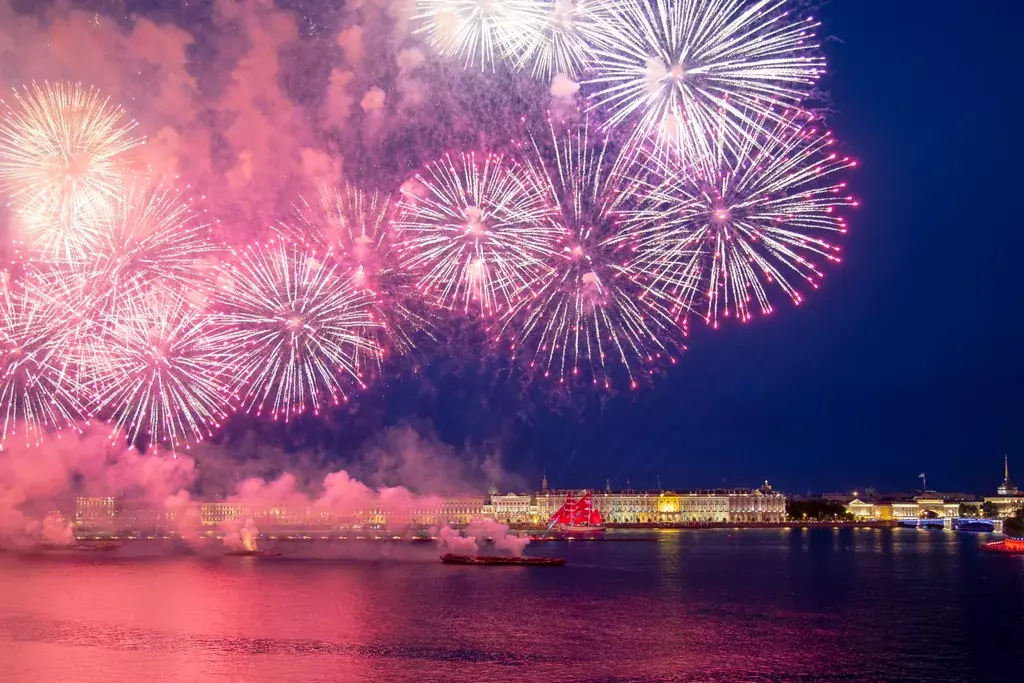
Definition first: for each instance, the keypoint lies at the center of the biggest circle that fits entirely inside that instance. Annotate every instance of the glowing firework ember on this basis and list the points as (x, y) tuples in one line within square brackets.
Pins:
[(590, 311), (743, 219), (38, 393), (479, 234), (692, 69), (158, 373), (62, 161), (353, 228), (479, 33), (291, 324)]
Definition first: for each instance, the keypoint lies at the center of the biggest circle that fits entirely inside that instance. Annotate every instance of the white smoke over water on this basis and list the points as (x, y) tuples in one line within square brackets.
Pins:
[(479, 538)]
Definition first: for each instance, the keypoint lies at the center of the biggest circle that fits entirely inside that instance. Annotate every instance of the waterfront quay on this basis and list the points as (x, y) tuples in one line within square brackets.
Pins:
[(524, 511)]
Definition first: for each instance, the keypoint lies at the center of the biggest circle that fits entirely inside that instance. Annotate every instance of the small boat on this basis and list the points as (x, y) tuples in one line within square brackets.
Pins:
[(451, 558), (253, 553), (82, 547), (1010, 546)]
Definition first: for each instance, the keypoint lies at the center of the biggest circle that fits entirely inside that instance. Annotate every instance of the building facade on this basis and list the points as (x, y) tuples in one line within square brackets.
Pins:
[(515, 509)]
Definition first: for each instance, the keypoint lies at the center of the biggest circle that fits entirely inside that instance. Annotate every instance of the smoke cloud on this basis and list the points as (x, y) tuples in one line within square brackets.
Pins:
[(39, 485), (479, 537)]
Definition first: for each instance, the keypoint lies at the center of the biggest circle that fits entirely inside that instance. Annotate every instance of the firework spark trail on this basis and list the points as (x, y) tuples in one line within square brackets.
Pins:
[(159, 373), (690, 69), (743, 219), (38, 388), (62, 151), (560, 43), (478, 233), (291, 325), (590, 307), (353, 227), (479, 33), (150, 235)]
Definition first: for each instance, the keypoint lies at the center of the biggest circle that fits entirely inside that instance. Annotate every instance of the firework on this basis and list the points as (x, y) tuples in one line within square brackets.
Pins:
[(62, 152), (38, 389), (560, 43), (480, 33), (353, 228), (291, 324), (687, 69), (158, 373), (726, 228), (150, 238), (475, 232), (590, 310)]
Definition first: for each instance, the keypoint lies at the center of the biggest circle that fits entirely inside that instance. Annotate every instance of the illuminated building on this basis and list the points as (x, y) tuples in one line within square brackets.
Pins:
[(1008, 498), (516, 509)]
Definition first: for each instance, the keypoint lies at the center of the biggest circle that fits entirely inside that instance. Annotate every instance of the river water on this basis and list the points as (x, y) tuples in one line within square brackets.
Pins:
[(710, 605)]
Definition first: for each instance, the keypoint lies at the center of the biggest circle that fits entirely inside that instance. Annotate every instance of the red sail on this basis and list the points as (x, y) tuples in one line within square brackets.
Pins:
[(564, 514), (577, 512)]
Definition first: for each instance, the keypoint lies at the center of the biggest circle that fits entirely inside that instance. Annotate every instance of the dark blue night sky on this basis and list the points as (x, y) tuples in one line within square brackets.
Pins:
[(908, 358)]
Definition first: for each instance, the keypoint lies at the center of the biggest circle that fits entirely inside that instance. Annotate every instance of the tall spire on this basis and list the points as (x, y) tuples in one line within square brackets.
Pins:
[(1006, 467)]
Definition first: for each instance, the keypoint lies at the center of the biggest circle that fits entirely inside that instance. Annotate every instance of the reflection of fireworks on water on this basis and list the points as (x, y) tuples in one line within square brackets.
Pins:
[(158, 373), (732, 223), (689, 68), (353, 227), (290, 325), (479, 33), (475, 232), (61, 160), (589, 310), (38, 392), (560, 43)]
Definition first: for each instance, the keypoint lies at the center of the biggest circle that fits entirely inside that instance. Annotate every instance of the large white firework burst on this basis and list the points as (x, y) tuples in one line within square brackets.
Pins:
[(62, 159), (591, 311), (479, 33), (716, 234), (477, 231), (560, 39), (292, 326), (689, 70)]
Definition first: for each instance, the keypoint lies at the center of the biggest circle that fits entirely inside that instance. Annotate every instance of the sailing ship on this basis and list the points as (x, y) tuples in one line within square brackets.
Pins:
[(577, 517)]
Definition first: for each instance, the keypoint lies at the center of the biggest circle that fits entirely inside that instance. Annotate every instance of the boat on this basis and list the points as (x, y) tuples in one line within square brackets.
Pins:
[(577, 517), (1009, 546), (982, 525), (504, 560), (253, 553), (82, 547)]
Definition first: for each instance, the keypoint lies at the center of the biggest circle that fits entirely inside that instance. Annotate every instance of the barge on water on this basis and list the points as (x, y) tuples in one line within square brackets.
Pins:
[(253, 553), (451, 558)]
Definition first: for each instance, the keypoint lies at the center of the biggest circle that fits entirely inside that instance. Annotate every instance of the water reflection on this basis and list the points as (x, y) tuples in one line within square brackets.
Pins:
[(814, 604)]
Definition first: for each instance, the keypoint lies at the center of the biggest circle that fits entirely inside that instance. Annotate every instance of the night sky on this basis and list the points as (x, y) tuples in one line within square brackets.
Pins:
[(907, 360)]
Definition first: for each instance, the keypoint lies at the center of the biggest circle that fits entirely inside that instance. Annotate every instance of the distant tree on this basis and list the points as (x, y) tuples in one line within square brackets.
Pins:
[(966, 510), (817, 510), (931, 514), (1014, 526), (989, 509)]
